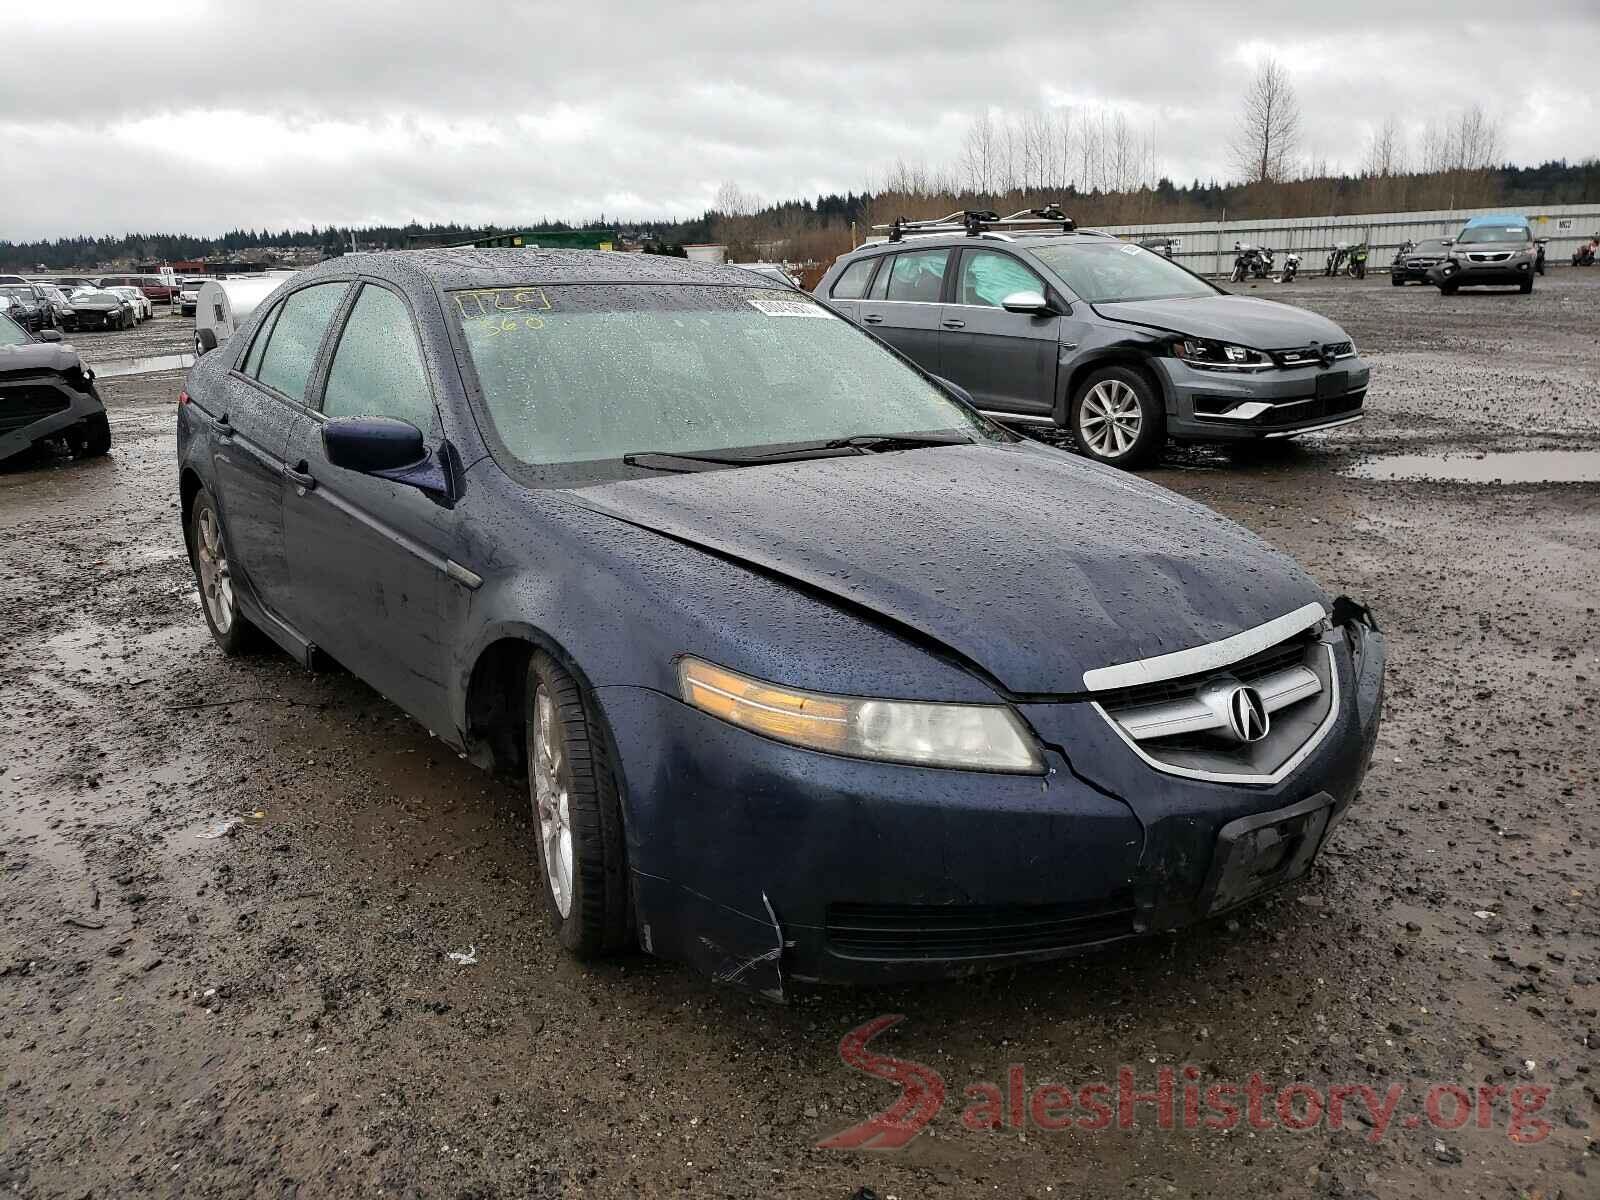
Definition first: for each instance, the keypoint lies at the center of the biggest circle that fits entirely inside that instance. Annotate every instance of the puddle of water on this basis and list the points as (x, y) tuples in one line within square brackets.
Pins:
[(111, 368), (1507, 466)]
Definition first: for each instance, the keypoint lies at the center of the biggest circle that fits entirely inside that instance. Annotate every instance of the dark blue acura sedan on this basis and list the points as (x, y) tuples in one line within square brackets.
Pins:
[(815, 673)]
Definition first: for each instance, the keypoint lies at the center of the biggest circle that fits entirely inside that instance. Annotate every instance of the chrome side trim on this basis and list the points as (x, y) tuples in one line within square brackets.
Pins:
[(1192, 715), (467, 579), (1204, 658), (1283, 433), (1018, 418), (1293, 761)]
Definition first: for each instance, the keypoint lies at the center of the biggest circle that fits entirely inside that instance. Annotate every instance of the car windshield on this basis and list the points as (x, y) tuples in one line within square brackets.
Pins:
[(12, 334), (1103, 271), (580, 374), (1431, 246), (1495, 233)]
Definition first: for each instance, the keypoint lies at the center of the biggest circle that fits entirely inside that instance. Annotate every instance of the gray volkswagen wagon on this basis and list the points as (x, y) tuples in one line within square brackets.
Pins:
[(1042, 322)]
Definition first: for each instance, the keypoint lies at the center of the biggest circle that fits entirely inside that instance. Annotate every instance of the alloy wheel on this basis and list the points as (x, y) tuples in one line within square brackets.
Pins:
[(551, 801), (1110, 419), (216, 582)]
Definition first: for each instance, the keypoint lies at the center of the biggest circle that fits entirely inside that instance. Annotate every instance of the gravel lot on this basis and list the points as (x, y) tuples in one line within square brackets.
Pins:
[(273, 1013)]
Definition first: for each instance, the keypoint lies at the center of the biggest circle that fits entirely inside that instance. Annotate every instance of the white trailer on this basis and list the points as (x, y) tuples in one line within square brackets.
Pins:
[(222, 305)]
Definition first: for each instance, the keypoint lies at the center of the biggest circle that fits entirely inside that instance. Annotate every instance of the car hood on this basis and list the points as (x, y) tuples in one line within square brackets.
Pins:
[(1029, 563), (38, 356), (1494, 247), (1262, 324)]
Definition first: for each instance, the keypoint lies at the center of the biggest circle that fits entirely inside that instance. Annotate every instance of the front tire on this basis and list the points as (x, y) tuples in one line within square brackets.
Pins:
[(577, 815), (1526, 286), (208, 554), (1117, 418), (1398, 280)]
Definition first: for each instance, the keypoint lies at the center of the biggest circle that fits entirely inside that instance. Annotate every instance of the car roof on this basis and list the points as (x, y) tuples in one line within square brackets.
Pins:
[(467, 267)]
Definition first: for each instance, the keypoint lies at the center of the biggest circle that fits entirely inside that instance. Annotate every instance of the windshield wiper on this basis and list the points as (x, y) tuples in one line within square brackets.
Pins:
[(871, 443), (638, 457), (861, 443)]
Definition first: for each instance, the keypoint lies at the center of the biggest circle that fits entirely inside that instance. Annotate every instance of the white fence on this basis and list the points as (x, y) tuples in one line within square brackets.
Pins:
[(1207, 246)]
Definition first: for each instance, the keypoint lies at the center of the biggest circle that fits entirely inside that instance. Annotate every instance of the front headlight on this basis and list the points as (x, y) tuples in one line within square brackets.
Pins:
[(1219, 356), (978, 737)]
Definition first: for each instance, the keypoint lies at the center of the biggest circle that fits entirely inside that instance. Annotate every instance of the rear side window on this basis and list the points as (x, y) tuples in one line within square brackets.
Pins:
[(297, 334), (252, 362), (377, 370), (852, 284), (918, 276)]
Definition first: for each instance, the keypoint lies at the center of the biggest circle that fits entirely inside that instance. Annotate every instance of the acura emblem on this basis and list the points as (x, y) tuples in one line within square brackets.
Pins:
[(1247, 715)]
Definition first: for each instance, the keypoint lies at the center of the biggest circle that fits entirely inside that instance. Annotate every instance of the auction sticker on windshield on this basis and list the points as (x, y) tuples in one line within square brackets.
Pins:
[(788, 308)]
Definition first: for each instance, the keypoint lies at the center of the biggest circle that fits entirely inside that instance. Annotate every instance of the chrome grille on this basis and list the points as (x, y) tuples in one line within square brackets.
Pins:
[(1182, 725)]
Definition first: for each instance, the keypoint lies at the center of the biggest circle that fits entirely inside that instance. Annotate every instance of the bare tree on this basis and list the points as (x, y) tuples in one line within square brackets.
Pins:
[(1269, 130), (978, 154)]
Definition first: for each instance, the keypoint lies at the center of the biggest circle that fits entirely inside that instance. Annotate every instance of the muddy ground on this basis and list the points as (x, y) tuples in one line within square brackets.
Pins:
[(273, 1013)]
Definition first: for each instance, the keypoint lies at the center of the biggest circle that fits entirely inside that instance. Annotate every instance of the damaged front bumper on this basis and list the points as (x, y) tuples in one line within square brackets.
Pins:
[(768, 866)]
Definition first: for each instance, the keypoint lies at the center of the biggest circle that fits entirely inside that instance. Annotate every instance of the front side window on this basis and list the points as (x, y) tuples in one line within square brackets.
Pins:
[(578, 375), (1102, 271), (988, 278), (918, 276), (377, 370), (852, 283), (303, 318)]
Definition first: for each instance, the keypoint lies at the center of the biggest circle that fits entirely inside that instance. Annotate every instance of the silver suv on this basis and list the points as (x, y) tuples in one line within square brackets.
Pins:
[(1040, 322), (1495, 250)]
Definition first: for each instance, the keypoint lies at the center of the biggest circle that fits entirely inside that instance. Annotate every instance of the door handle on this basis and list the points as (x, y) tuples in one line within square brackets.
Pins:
[(300, 475), (872, 319), (221, 427), (954, 324)]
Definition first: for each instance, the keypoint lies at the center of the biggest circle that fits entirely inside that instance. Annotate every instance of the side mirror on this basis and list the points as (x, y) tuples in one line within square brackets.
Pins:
[(390, 449), (49, 335), (1030, 303), (205, 340), (1449, 241), (372, 444)]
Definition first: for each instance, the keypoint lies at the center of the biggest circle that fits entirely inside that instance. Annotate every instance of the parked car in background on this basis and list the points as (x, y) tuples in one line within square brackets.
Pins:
[(790, 643), (68, 282), (1494, 250), (60, 307), (96, 308), (156, 289), (1414, 260), (189, 296), (143, 310), (4, 279), (47, 393), (28, 307), (1116, 343)]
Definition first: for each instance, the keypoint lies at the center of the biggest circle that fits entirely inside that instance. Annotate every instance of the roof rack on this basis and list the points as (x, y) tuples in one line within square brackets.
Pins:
[(976, 221)]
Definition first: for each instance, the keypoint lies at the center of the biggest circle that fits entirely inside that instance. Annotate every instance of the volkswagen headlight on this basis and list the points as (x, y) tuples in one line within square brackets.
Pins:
[(976, 737), (1211, 355)]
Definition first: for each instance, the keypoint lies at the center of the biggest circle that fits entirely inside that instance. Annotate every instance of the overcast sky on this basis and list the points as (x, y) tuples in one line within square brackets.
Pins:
[(206, 115)]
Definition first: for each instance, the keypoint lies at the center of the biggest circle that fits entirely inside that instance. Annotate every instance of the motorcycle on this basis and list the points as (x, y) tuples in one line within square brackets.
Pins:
[(1358, 261), (1583, 256), (1337, 254), (1250, 262), (1538, 258), (1291, 268)]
